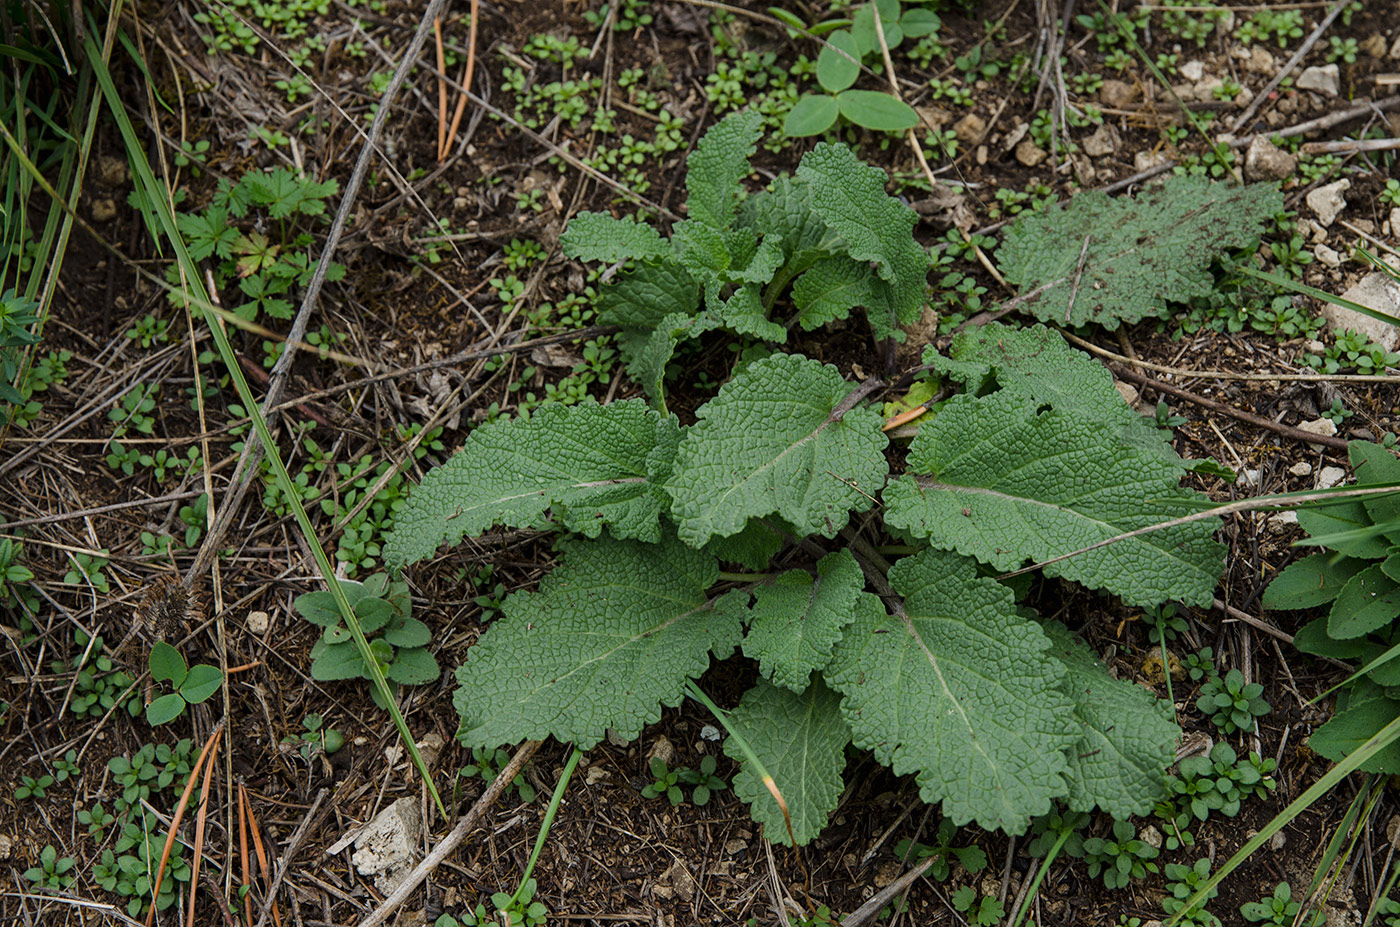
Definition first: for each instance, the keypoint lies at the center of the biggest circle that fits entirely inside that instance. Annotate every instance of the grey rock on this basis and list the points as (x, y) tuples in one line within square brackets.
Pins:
[(387, 849), (1117, 94), (1327, 256), (1328, 477), (1193, 70), (1028, 154), (1326, 80), (1374, 291), (1327, 201), (1264, 161), (1301, 468), (1319, 426), (1101, 143)]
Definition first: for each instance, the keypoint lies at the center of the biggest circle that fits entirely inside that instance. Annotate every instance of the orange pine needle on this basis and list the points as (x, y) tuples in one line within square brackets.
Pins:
[(262, 861), (179, 815), (201, 818), (243, 853), (466, 81), (442, 87), (904, 417)]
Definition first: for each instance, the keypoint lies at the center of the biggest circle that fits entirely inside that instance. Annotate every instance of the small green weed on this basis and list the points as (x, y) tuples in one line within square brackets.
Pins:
[(1183, 882), (32, 787), (191, 684), (487, 764), (983, 911), (133, 410), (54, 873), (1120, 859), (87, 570), (1231, 704), (971, 858), (315, 738), (1278, 909)]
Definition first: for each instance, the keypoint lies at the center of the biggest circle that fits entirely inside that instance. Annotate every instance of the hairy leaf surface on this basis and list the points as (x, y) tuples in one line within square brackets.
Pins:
[(960, 690), (718, 164), (1001, 482), (769, 442), (1128, 737), (798, 618), (1142, 251), (597, 236), (801, 740), (592, 465), (612, 634)]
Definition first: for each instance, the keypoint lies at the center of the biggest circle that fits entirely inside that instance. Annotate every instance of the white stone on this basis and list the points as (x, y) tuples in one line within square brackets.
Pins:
[(1128, 391), (1261, 61), (1247, 478), (1376, 291), (1328, 477), (1395, 222), (662, 749), (1264, 161), (1101, 143), (1151, 836), (387, 848), (1326, 80), (1301, 468), (258, 623), (1327, 202), (1281, 522), (1395, 49), (1193, 70), (1146, 160), (1278, 841), (1319, 426), (1327, 256)]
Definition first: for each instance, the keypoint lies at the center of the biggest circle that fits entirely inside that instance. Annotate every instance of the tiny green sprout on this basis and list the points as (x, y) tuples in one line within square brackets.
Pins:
[(664, 782), (705, 781), (97, 821), (66, 767), (982, 912), (315, 738), (1391, 193), (487, 764), (31, 787), (54, 873), (1183, 882), (1278, 909), (1232, 705), (191, 684), (1120, 859), (521, 910)]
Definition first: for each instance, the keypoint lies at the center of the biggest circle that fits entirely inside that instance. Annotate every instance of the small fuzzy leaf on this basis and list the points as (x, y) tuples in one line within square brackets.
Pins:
[(166, 664), (597, 236), (1143, 250), (743, 314), (801, 740), (797, 618), (753, 547), (639, 300), (586, 463), (1005, 483), (876, 111), (203, 681), (919, 22), (319, 607), (612, 634), (812, 114), (838, 64), (373, 614), (1314, 580), (414, 666), (411, 633), (718, 164), (1128, 737), (164, 709), (330, 662), (830, 289), (1370, 600), (1375, 464), (960, 690), (769, 442)]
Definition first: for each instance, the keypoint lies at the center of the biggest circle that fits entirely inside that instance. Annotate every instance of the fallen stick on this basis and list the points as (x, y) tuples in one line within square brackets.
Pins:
[(459, 833)]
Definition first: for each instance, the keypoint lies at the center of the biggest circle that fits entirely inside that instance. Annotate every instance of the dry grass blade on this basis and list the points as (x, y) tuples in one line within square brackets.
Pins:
[(179, 815), (264, 866), (243, 851), (466, 82), (201, 818)]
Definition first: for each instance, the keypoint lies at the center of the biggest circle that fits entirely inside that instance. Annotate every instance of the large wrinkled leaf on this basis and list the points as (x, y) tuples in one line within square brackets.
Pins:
[(591, 465), (801, 740), (1359, 717), (1128, 737), (996, 479), (612, 635), (769, 443), (639, 301), (961, 691), (596, 236), (1143, 250), (797, 618), (717, 165)]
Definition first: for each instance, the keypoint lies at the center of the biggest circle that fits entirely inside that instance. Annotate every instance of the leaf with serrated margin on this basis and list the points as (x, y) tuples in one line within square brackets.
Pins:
[(588, 463), (1128, 737), (743, 313), (960, 690), (1143, 250), (784, 211), (639, 300), (1314, 580), (771, 442), (597, 236), (850, 197), (718, 164), (1360, 715), (1036, 364), (797, 618), (800, 738), (612, 634), (648, 365), (754, 546), (1005, 481), (830, 290)]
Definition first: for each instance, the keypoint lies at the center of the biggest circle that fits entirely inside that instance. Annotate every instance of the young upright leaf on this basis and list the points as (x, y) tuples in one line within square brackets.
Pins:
[(830, 290), (166, 664), (1346, 516), (597, 236), (612, 634), (838, 63), (801, 740), (771, 442), (648, 363), (1001, 481), (591, 465), (850, 197), (1376, 464), (638, 301), (812, 114), (1127, 740), (718, 164), (959, 690), (203, 681), (1370, 600), (1143, 250), (798, 618)]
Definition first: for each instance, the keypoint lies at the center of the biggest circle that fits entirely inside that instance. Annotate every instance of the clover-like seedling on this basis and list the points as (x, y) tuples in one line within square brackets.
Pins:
[(192, 684), (1121, 859), (53, 872), (31, 787), (1278, 909), (1232, 705), (972, 858), (664, 782), (704, 780), (315, 738)]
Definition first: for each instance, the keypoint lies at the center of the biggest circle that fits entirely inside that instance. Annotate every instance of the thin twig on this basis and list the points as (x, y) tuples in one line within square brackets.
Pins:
[(298, 837), (1078, 273)]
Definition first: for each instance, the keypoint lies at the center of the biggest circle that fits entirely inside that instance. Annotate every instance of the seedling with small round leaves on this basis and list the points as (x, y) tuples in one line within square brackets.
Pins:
[(665, 781), (1120, 859), (315, 738), (705, 781), (192, 684), (1278, 909), (1232, 705), (54, 873)]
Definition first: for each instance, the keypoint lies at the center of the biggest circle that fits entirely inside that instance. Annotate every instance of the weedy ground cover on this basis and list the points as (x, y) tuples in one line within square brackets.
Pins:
[(674, 500)]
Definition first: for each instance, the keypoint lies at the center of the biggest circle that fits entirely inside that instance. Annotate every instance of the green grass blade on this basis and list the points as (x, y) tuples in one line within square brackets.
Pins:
[(1315, 293)]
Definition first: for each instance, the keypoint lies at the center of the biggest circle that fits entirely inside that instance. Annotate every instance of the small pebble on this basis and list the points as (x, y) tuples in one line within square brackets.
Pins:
[(1301, 468)]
